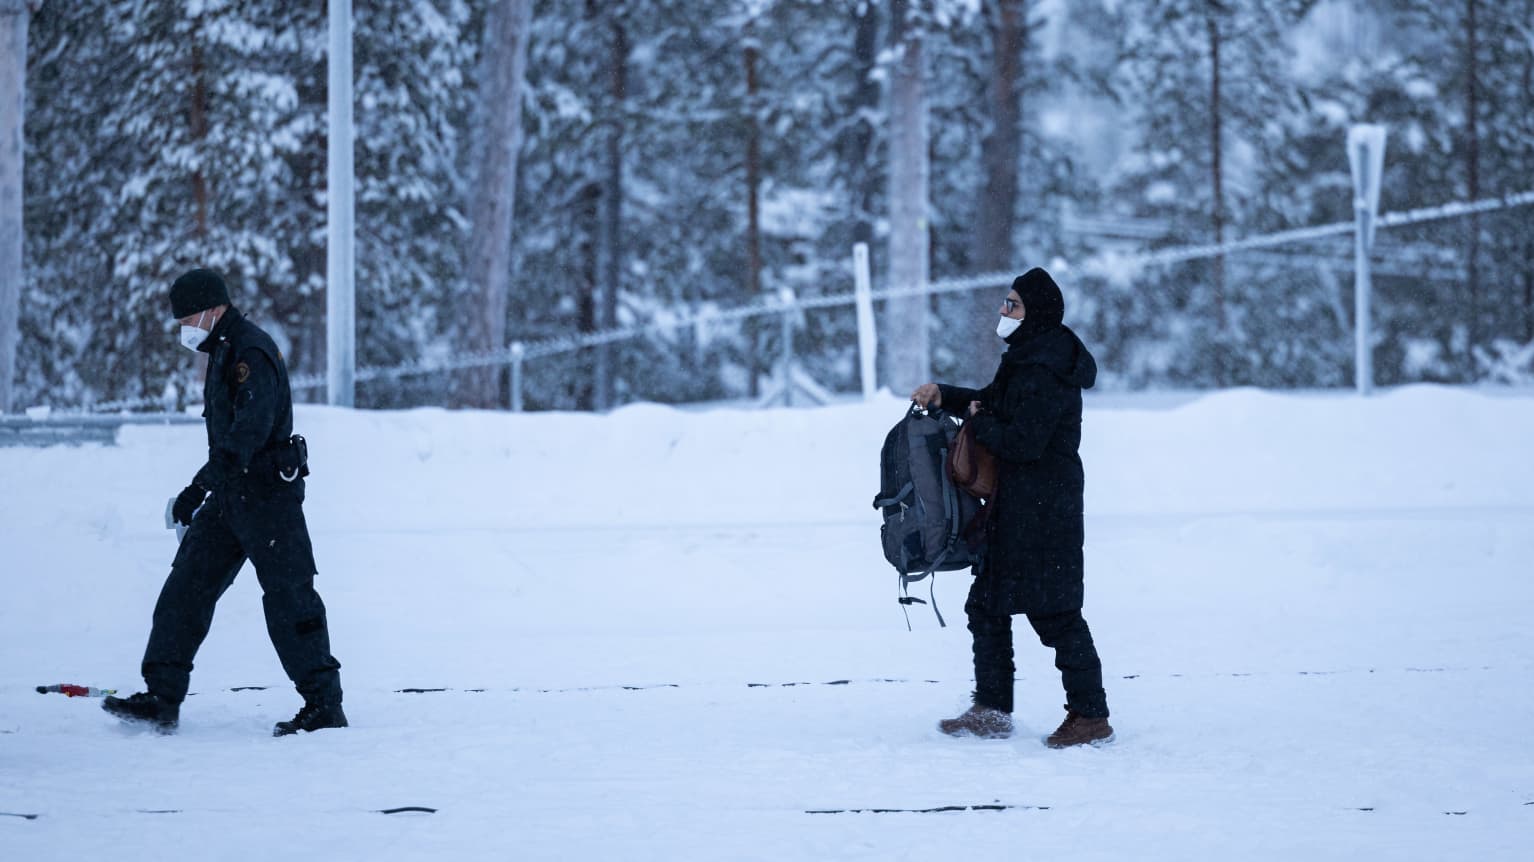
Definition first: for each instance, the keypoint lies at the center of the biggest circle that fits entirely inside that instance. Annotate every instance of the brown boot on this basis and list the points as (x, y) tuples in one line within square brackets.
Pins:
[(981, 721), (1077, 729)]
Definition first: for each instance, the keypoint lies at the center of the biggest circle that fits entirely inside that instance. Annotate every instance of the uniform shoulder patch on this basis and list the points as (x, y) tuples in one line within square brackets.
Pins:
[(241, 371)]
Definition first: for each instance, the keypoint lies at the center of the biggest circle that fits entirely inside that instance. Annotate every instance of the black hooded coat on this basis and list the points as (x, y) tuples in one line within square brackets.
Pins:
[(1031, 419)]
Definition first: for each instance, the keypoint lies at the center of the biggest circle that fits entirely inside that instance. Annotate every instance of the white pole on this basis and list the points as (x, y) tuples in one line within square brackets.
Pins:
[(518, 352), (1366, 157), (1363, 357), (340, 256), (867, 343)]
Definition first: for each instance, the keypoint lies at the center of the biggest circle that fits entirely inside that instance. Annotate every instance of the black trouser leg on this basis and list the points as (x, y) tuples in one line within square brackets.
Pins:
[(1076, 658), (295, 614), (206, 564), (992, 636), (295, 621)]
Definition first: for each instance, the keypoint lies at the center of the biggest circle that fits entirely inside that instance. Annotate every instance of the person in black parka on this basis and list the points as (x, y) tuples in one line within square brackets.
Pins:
[(1029, 416), (246, 503)]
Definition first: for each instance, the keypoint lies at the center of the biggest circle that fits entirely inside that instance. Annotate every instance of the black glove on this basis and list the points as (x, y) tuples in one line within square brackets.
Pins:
[(187, 502)]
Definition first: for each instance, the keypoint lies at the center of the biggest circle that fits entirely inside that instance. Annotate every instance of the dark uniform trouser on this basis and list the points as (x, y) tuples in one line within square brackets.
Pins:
[(273, 535), (1075, 656)]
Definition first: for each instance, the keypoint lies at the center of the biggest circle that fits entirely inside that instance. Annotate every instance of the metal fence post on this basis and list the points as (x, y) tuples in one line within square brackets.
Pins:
[(340, 236), (862, 282), (518, 350), (785, 371), (1366, 156)]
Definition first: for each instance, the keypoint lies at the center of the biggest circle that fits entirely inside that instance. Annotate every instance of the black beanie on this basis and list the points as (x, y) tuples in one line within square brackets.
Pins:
[(197, 290), (1043, 304)]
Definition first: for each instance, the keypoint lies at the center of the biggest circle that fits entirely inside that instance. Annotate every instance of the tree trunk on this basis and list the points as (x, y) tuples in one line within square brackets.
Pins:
[(197, 115), (865, 107), (1472, 174), (906, 361), (14, 16), (1000, 152), (197, 129), (610, 234), (1528, 244), (492, 193), (1216, 162), (753, 195), (753, 171), (588, 220), (1528, 291), (1528, 248)]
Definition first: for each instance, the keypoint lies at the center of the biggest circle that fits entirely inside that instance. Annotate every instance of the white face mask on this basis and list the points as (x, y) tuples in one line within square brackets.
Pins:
[(1007, 325), (192, 337)]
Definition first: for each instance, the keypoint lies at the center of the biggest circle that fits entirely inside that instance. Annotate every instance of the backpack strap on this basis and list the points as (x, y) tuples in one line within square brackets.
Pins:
[(951, 516), (905, 597), (880, 503), (950, 506)]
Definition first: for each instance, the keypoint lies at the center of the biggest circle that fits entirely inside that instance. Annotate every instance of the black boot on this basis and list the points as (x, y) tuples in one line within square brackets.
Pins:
[(314, 715), (145, 707)]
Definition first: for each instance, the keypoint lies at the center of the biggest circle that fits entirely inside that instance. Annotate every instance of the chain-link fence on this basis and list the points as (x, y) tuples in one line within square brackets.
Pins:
[(1264, 250)]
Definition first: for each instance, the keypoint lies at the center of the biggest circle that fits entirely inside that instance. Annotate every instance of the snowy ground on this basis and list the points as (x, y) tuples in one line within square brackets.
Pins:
[(1314, 613)]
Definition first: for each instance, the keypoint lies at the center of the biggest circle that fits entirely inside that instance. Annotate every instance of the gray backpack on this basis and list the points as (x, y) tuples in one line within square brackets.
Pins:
[(924, 512)]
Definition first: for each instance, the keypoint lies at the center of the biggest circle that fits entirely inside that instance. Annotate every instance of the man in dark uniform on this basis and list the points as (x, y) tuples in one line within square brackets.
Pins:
[(245, 503)]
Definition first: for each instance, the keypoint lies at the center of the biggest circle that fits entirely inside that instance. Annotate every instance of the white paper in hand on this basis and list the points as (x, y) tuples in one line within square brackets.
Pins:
[(170, 519)]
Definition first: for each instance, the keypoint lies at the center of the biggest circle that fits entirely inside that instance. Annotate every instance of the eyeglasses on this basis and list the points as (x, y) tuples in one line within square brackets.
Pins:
[(1011, 304)]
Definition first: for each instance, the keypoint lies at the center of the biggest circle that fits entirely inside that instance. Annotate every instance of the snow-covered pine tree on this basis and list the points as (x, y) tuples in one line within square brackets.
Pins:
[(1205, 83), (1509, 84), (559, 181), (63, 209), (1412, 77), (998, 88), (811, 68), (413, 60), (168, 135), (1304, 328), (685, 209), (1479, 56), (191, 138)]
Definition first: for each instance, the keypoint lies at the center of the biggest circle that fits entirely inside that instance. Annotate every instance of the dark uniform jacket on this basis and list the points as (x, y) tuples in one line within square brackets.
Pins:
[(252, 514), (1031, 420), (248, 410)]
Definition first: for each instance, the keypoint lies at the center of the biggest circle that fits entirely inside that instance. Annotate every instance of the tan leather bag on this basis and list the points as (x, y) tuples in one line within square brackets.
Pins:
[(971, 466)]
